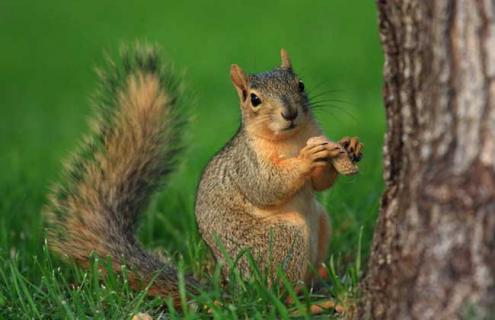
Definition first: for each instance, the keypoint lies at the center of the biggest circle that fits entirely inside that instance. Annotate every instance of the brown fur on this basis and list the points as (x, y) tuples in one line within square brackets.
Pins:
[(103, 206), (258, 193)]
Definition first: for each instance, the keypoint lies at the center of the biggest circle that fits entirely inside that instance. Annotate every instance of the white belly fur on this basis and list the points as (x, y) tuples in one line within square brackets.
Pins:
[(305, 205)]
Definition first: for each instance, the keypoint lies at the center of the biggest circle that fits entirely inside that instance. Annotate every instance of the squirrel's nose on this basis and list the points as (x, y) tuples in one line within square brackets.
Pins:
[(289, 116)]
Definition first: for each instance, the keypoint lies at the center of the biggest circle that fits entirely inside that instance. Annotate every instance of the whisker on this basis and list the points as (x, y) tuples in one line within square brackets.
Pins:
[(329, 100), (330, 108)]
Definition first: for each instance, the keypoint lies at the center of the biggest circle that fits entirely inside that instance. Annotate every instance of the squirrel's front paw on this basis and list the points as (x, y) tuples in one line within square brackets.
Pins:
[(334, 149), (314, 155), (353, 147)]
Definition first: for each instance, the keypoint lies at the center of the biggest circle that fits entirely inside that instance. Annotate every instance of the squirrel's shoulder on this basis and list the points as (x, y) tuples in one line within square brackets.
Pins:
[(235, 151)]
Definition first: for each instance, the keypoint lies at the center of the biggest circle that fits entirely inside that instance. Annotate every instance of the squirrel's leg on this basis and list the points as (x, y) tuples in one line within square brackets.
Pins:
[(324, 232), (323, 177), (282, 240)]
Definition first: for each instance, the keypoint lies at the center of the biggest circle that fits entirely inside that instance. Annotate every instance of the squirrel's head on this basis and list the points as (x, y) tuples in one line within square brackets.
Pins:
[(273, 103)]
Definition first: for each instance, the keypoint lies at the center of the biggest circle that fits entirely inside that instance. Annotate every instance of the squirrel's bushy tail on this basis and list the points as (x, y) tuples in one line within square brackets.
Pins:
[(135, 139)]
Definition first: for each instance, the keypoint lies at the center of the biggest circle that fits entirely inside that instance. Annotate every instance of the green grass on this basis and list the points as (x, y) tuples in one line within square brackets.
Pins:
[(48, 53)]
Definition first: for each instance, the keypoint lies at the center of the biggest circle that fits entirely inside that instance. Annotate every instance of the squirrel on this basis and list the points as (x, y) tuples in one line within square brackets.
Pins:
[(256, 193)]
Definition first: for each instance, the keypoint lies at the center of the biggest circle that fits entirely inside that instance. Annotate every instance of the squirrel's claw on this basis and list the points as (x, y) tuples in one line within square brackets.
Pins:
[(353, 147)]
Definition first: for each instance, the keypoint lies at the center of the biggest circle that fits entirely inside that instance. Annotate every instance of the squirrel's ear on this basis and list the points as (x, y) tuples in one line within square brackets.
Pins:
[(284, 56), (239, 80)]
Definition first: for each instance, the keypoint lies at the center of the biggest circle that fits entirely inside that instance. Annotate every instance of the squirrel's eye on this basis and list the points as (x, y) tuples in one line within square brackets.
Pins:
[(255, 100), (301, 86)]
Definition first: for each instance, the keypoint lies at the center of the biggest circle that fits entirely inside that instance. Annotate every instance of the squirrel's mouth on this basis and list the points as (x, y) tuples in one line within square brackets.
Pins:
[(290, 127)]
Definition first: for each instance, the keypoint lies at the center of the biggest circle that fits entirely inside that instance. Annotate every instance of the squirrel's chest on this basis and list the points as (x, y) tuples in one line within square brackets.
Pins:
[(285, 151), (302, 202)]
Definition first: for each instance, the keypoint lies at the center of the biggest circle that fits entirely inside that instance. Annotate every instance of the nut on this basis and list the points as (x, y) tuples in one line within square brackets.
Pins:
[(342, 163)]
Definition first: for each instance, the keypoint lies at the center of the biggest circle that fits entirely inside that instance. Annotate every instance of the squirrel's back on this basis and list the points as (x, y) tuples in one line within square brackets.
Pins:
[(133, 146)]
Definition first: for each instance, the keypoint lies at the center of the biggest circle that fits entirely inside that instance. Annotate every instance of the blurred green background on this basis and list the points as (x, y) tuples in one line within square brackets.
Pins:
[(49, 50)]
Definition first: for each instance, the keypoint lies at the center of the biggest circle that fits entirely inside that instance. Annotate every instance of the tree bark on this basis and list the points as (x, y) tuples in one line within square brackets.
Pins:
[(433, 252)]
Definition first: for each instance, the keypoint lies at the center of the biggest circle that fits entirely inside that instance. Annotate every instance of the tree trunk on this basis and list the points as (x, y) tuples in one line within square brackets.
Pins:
[(433, 253)]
